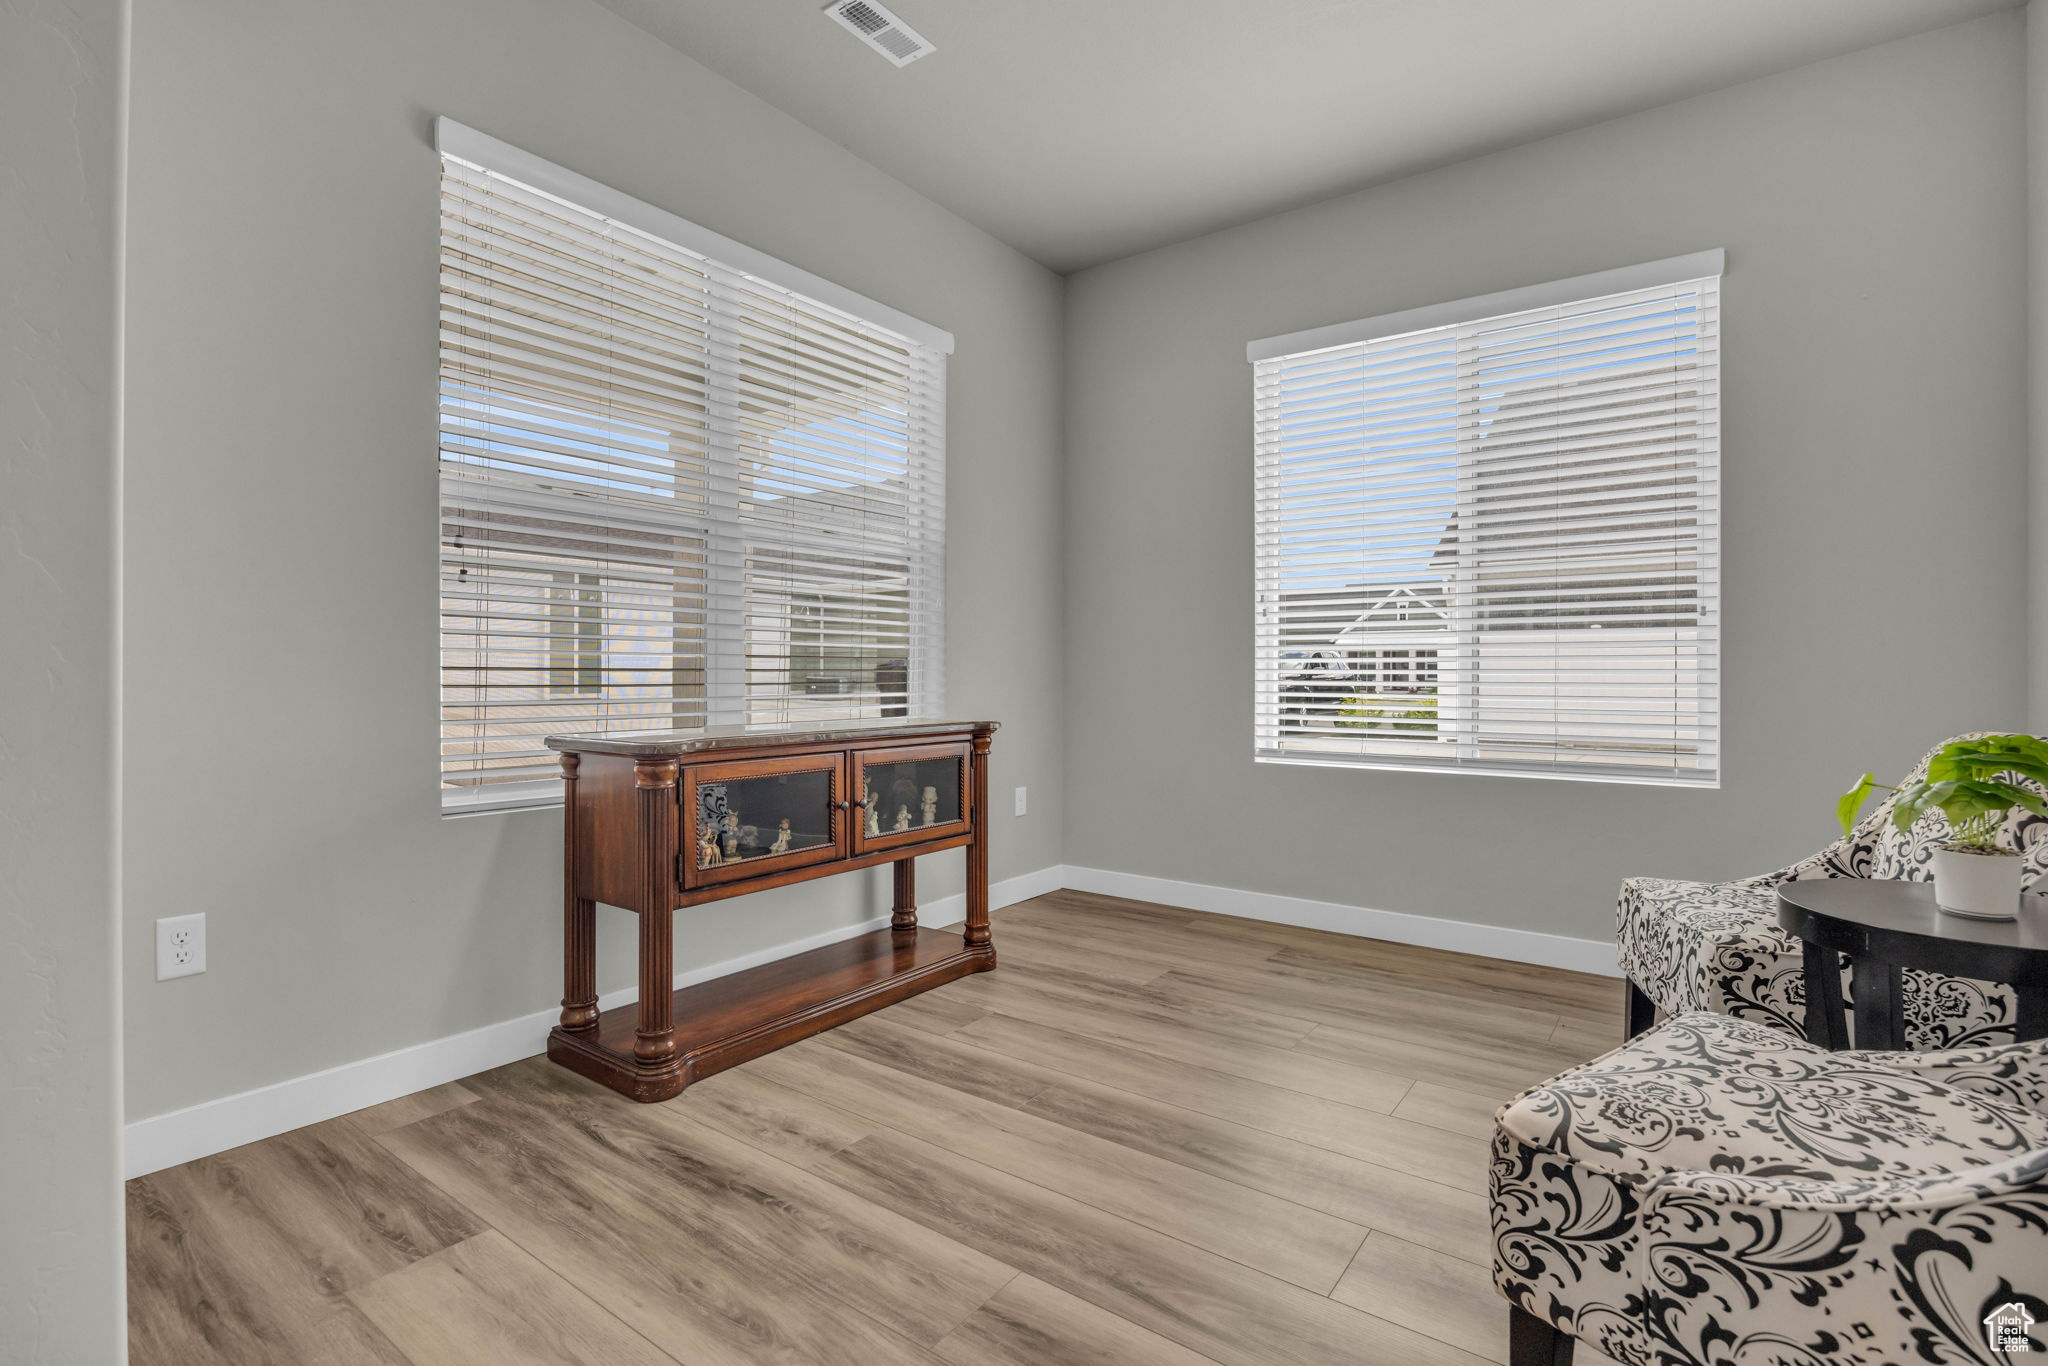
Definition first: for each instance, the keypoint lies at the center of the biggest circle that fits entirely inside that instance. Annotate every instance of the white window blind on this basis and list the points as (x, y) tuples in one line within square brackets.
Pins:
[(673, 492), (1488, 534)]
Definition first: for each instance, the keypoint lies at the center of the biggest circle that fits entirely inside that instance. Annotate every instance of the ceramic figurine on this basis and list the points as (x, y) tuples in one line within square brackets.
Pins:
[(931, 805), (781, 845), (729, 838), (707, 850), (750, 837), (874, 816), (902, 818), (903, 792)]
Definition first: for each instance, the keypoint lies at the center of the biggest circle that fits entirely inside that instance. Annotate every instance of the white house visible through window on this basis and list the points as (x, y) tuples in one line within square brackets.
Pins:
[(681, 484), (1488, 533)]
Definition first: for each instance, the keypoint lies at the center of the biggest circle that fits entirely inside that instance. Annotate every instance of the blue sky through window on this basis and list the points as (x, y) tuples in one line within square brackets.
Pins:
[(564, 446), (1400, 484)]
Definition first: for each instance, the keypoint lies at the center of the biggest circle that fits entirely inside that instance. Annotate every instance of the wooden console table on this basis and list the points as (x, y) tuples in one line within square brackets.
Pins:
[(658, 821)]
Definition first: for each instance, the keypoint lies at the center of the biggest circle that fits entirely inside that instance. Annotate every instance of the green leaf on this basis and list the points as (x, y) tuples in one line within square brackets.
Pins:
[(1962, 799), (1852, 802), (1980, 798), (1991, 766), (2024, 755), (2033, 801), (1975, 798), (1967, 781), (1917, 799)]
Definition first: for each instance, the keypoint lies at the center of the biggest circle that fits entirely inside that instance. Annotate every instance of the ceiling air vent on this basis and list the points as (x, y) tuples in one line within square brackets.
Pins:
[(880, 30)]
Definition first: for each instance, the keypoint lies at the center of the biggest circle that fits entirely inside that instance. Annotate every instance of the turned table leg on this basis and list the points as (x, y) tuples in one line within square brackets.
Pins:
[(905, 914), (654, 1032), (579, 922), (579, 965), (977, 853)]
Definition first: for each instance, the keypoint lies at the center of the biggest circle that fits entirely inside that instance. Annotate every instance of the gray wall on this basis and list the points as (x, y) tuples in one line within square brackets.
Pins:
[(1874, 400), (61, 1276), (2037, 353), (281, 586), (281, 551)]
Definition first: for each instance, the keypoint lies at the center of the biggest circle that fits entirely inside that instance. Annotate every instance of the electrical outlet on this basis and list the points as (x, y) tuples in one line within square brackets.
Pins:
[(180, 946), (1020, 801)]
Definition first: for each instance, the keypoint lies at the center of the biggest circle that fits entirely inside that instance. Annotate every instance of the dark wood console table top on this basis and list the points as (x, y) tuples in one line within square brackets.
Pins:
[(657, 821), (703, 740), (1886, 926)]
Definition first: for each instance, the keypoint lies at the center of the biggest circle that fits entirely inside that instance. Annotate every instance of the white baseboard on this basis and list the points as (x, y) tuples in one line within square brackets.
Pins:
[(951, 910), (216, 1125), (1458, 936)]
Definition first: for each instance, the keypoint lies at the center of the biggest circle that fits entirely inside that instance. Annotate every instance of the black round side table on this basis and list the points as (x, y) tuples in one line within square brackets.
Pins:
[(1885, 926)]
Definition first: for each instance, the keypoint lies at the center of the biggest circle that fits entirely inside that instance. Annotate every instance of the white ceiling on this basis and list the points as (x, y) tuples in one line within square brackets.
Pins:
[(1083, 130)]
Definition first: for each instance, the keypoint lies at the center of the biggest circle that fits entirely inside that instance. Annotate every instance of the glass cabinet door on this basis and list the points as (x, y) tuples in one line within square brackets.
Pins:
[(748, 818), (909, 794)]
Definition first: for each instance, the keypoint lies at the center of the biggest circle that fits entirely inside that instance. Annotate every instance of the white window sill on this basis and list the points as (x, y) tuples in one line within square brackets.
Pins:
[(1707, 783)]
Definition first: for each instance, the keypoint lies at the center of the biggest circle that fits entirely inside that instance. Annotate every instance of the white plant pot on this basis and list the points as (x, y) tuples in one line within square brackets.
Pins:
[(1981, 886)]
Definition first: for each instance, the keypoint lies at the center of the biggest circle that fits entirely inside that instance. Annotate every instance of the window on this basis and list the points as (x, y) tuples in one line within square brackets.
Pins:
[(681, 484), (1488, 533)]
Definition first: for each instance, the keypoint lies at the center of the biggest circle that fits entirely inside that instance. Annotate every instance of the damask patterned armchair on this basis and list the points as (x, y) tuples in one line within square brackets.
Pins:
[(1723, 1193), (1717, 946)]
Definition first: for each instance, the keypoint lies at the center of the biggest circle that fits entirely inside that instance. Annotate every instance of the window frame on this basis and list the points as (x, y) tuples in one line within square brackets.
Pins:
[(727, 539), (1463, 599)]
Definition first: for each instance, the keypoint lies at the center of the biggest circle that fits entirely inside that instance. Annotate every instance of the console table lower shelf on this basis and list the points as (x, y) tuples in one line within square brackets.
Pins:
[(724, 1022)]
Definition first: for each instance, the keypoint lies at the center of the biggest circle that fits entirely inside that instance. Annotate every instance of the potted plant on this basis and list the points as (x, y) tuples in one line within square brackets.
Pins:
[(1970, 782)]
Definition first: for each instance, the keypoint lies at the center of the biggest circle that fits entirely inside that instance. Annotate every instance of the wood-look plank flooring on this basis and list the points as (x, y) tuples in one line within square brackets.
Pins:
[(1152, 1137)]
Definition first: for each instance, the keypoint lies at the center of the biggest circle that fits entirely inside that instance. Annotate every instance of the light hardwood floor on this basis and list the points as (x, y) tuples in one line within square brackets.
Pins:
[(1152, 1137)]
